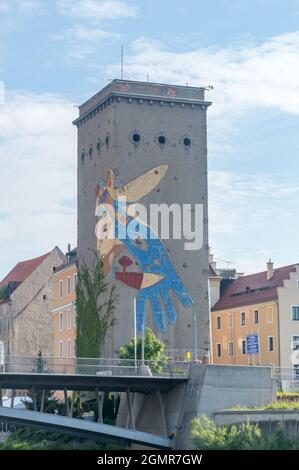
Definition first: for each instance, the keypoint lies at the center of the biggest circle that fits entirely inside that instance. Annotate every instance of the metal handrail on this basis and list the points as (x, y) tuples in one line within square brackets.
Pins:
[(92, 366)]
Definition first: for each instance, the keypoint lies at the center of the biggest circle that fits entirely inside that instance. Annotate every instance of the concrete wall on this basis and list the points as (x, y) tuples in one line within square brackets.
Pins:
[(268, 421), (210, 388), (148, 110)]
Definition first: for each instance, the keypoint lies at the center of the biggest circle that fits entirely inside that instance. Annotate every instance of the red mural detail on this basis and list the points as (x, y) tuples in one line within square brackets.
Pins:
[(130, 279), (125, 262), (124, 87), (171, 92)]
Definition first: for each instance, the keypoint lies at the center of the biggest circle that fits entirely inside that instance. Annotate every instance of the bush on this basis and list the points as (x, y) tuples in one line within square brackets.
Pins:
[(206, 435), (154, 351)]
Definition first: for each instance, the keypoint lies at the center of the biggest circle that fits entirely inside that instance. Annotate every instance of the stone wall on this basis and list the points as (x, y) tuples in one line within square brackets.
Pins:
[(30, 325)]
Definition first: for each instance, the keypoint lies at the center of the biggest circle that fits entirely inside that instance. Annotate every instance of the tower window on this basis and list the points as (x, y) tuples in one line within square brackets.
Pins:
[(99, 145), (82, 155), (187, 141), (162, 139), (136, 138), (90, 151)]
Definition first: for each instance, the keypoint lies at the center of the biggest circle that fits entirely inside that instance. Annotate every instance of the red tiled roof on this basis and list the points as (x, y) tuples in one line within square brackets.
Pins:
[(253, 289), (22, 270)]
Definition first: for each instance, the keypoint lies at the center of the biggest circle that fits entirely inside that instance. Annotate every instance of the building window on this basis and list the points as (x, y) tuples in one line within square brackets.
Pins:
[(243, 346), (218, 350), (69, 318), (242, 319), (269, 314), (230, 348), (230, 320), (68, 285), (60, 289), (296, 371), (75, 281), (295, 343), (61, 349), (256, 317), (218, 323), (75, 314), (295, 312), (162, 139), (270, 343), (68, 348), (61, 321)]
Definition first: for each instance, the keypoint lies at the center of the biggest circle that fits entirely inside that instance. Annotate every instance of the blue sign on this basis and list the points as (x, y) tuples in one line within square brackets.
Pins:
[(252, 343)]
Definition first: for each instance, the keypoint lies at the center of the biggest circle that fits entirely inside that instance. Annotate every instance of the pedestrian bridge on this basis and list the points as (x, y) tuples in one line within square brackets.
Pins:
[(82, 428), (132, 378)]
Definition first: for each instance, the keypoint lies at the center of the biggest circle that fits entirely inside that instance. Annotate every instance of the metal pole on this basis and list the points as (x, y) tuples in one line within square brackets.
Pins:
[(135, 335), (195, 336), (143, 343), (122, 63)]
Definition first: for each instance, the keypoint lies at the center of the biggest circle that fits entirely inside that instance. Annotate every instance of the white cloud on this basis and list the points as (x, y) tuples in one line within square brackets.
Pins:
[(244, 76), (82, 41), (247, 215), (96, 9), (23, 7), (37, 176), (4, 7)]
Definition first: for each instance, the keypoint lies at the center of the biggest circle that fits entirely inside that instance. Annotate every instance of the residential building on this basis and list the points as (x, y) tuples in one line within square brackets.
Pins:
[(64, 307), (262, 306), (26, 324)]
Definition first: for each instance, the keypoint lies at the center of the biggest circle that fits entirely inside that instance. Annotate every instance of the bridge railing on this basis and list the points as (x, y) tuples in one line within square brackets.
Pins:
[(93, 366)]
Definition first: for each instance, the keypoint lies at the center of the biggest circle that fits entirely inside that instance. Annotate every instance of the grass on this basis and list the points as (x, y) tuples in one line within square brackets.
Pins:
[(276, 405), (28, 439)]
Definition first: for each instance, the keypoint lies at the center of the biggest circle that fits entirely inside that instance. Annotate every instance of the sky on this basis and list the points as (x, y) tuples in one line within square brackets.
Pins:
[(54, 54)]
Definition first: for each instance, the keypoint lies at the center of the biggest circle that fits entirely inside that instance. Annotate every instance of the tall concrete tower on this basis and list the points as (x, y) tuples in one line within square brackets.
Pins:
[(147, 142)]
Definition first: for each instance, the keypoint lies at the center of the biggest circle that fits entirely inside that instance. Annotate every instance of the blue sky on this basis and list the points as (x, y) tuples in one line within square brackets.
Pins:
[(55, 54)]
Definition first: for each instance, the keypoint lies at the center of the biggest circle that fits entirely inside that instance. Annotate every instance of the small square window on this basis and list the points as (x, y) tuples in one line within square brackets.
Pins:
[(243, 319), (243, 346), (218, 323), (256, 316), (218, 350)]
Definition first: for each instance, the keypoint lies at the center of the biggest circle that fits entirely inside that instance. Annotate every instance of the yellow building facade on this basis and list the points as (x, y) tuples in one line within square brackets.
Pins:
[(263, 306), (64, 308), (231, 327)]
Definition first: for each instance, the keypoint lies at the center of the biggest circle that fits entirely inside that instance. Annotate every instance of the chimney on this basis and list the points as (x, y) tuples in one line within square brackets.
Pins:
[(269, 269), (211, 259)]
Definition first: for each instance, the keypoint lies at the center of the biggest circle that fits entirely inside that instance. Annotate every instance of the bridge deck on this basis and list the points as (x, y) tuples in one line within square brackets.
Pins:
[(114, 383), (82, 428)]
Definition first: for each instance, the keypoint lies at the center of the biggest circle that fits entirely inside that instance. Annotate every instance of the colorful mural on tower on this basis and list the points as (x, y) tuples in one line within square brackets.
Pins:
[(143, 261)]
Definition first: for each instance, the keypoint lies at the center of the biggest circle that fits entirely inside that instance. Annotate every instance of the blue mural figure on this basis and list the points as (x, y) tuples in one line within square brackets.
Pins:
[(157, 282)]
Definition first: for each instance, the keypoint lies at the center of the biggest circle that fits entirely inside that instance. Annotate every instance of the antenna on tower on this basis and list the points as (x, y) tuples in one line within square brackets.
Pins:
[(122, 63)]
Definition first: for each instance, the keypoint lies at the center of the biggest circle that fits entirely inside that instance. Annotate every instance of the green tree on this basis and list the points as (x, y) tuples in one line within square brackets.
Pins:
[(154, 351), (95, 305)]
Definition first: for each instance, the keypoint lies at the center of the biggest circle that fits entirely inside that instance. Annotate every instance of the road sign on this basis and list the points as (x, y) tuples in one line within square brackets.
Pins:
[(252, 343)]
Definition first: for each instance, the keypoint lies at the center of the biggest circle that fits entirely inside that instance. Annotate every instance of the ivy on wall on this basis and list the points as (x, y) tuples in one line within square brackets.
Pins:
[(95, 308)]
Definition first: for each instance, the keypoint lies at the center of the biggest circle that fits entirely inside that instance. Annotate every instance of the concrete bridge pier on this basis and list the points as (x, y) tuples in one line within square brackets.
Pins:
[(210, 388)]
